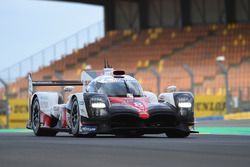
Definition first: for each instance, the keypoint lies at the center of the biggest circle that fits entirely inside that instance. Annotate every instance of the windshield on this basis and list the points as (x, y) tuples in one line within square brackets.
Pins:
[(120, 89)]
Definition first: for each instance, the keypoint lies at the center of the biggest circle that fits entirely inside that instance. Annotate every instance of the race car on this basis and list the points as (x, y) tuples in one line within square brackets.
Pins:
[(111, 102)]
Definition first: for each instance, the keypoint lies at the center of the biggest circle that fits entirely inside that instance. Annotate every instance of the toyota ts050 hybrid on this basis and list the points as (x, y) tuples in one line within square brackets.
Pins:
[(110, 103)]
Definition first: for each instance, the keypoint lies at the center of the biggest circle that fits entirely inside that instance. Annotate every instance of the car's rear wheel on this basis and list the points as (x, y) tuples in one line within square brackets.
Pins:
[(36, 126), (177, 134)]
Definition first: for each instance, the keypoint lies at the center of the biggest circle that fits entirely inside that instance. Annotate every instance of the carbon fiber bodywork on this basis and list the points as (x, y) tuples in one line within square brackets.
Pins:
[(123, 118)]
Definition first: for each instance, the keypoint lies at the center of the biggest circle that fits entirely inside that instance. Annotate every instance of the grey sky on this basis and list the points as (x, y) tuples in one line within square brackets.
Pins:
[(27, 26)]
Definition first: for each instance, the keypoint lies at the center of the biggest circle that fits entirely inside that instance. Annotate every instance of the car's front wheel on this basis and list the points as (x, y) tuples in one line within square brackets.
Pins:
[(75, 118)]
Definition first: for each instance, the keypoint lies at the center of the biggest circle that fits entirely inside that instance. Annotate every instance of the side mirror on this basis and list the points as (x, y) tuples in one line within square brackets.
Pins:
[(68, 88)]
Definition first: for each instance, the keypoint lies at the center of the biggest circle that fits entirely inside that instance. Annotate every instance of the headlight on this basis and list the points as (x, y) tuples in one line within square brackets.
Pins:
[(184, 104), (184, 100), (97, 102), (98, 105)]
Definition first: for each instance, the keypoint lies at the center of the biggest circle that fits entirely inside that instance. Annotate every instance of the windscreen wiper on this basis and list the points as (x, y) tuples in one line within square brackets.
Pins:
[(128, 90)]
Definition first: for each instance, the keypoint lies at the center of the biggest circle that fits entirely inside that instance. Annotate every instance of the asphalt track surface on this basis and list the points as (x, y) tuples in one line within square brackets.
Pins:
[(198, 150)]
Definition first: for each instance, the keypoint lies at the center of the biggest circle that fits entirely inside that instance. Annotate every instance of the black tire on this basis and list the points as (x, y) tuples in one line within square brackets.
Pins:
[(38, 131), (177, 134), (75, 121), (75, 118)]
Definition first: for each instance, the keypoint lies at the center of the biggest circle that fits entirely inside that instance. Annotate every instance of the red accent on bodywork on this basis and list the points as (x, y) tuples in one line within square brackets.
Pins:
[(45, 119), (64, 118), (139, 103)]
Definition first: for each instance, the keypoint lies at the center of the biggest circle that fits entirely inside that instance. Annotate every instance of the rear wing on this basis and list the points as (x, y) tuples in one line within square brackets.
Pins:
[(86, 77), (57, 83), (32, 83)]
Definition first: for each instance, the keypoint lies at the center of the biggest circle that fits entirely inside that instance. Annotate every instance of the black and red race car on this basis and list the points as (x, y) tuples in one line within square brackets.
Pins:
[(111, 103)]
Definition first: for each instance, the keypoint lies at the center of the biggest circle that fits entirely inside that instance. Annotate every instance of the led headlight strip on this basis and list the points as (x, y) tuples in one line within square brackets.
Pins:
[(98, 105), (184, 104)]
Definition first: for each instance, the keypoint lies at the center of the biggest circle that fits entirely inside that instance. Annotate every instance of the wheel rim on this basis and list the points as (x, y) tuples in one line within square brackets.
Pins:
[(35, 117), (74, 117)]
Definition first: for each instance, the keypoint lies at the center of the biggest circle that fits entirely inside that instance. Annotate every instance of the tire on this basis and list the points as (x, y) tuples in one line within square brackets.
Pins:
[(75, 118), (38, 131), (75, 121), (177, 134)]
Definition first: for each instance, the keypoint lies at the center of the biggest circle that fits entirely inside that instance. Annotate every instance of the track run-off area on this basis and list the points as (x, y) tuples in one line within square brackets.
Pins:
[(220, 143)]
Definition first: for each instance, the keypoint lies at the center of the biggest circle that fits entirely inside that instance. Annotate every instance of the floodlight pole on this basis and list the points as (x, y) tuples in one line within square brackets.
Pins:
[(59, 76), (225, 73), (191, 74), (158, 78)]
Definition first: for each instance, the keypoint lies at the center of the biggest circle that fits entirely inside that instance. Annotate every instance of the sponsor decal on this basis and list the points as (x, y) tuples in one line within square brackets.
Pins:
[(183, 99), (111, 79), (139, 105), (81, 102), (18, 113), (88, 129), (209, 106)]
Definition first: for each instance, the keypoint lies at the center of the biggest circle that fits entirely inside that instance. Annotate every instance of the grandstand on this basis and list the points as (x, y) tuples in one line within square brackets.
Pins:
[(192, 38), (167, 50)]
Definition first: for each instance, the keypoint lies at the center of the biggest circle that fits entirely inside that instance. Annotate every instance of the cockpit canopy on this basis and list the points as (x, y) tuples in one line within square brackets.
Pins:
[(116, 87)]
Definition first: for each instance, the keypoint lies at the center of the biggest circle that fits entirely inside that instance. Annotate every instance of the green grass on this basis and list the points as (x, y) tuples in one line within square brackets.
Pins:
[(14, 130), (225, 130)]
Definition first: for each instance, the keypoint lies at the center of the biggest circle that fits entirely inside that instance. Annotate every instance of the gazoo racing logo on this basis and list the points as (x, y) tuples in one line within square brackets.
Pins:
[(88, 129), (141, 108), (138, 105)]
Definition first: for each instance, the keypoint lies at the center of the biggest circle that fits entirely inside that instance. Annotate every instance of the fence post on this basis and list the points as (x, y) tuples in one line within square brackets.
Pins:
[(31, 64), (9, 75), (99, 29), (225, 73), (191, 74), (77, 41), (65, 47), (20, 69), (88, 36), (158, 78), (54, 51), (43, 59)]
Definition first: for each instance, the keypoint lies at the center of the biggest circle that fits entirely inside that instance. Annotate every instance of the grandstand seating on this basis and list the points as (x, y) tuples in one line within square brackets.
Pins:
[(166, 50), (229, 41)]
